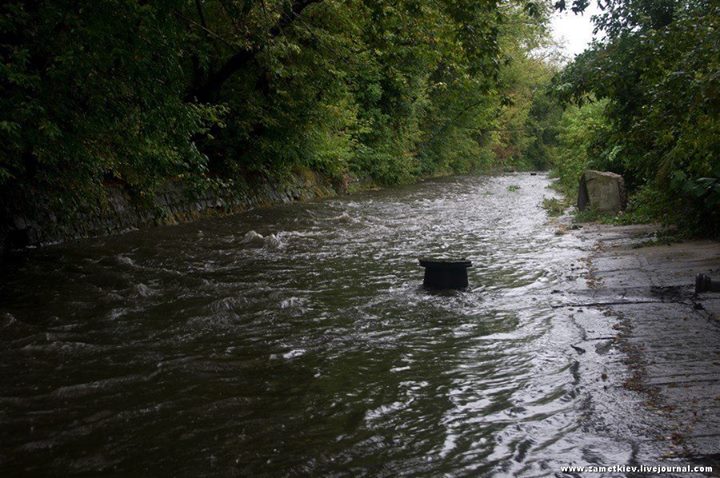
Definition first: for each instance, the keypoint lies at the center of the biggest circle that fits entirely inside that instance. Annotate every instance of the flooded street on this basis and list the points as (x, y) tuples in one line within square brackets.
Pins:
[(202, 350)]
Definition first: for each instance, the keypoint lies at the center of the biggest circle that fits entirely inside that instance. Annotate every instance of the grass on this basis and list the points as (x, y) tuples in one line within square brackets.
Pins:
[(513, 188), (633, 215), (555, 207), (622, 218), (593, 215)]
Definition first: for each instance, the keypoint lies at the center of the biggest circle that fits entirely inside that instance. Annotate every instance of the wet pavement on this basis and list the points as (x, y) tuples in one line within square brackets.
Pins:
[(669, 337)]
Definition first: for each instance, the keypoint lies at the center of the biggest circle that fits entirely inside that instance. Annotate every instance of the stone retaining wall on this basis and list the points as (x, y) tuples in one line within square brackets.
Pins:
[(173, 204)]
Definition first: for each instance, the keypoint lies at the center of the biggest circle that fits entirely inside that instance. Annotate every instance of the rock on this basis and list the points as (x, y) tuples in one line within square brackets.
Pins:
[(170, 204), (601, 191)]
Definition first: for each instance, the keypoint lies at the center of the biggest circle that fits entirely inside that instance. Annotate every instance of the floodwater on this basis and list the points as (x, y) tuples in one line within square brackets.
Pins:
[(205, 350)]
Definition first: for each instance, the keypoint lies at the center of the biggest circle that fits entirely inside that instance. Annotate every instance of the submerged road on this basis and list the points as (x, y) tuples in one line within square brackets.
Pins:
[(208, 350)]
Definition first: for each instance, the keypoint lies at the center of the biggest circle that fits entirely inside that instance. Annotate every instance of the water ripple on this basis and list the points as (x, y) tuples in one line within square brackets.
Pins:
[(296, 340)]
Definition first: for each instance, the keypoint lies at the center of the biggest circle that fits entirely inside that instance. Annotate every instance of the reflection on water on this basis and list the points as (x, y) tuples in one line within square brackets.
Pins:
[(306, 347)]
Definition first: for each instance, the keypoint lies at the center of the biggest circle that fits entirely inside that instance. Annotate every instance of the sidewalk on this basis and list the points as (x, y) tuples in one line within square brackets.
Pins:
[(670, 338)]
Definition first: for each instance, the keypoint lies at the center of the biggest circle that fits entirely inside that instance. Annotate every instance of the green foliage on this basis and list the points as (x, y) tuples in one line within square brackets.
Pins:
[(658, 69), (92, 90), (592, 215), (526, 112), (541, 130), (213, 91), (554, 206), (577, 144), (648, 205)]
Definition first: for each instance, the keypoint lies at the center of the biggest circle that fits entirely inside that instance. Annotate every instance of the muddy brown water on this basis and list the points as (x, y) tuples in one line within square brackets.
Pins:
[(196, 350)]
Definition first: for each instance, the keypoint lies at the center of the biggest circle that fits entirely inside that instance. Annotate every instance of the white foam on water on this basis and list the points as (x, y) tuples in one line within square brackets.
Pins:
[(294, 353), (292, 302), (254, 239), (125, 260), (143, 290)]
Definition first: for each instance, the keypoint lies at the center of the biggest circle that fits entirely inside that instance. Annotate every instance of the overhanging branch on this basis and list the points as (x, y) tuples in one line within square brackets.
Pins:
[(209, 90)]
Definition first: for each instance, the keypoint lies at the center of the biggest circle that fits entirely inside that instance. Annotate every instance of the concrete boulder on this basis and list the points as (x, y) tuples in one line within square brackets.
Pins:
[(601, 191)]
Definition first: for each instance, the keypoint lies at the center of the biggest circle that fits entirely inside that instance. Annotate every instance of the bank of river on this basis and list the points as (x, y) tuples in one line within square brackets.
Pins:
[(195, 350), (122, 209)]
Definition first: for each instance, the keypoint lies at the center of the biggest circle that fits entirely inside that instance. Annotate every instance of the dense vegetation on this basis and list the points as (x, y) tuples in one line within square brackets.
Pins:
[(647, 105), (217, 91)]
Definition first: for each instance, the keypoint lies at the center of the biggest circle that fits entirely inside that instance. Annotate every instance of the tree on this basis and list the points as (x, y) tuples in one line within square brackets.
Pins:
[(141, 93), (92, 90), (658, 69)]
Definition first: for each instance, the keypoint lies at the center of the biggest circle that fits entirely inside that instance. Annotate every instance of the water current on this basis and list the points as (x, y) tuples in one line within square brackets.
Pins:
[(297, 340)]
